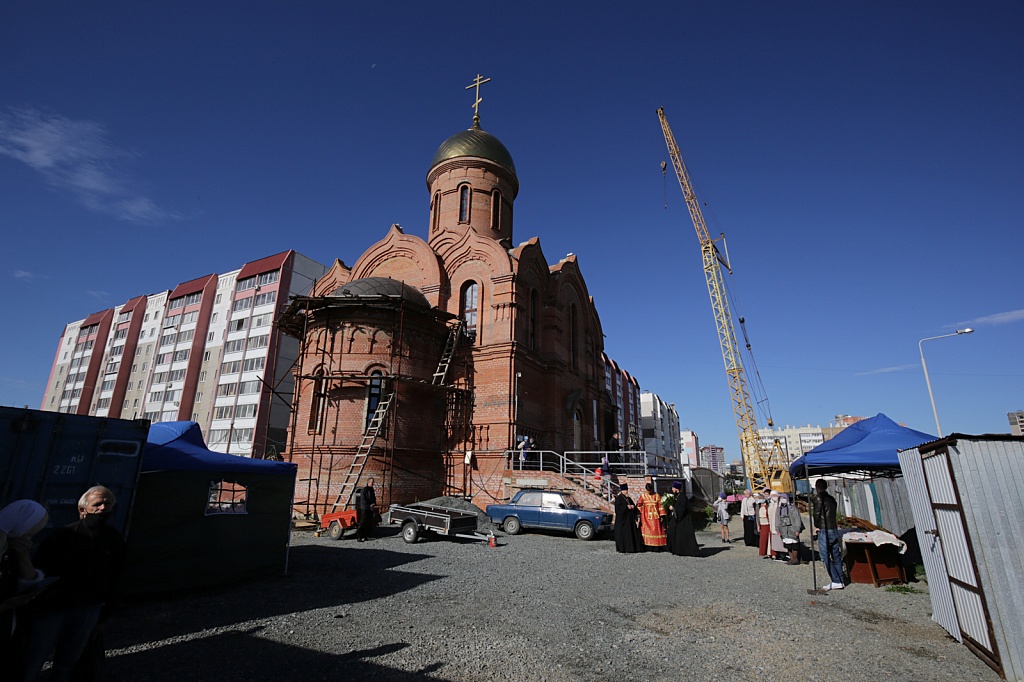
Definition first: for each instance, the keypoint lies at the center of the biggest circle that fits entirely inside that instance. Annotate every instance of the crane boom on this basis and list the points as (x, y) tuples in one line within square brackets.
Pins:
[(763, 467)]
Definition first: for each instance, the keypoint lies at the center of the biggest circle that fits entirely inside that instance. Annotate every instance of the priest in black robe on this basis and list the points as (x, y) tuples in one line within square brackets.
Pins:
[(627, 534), (681, 539)]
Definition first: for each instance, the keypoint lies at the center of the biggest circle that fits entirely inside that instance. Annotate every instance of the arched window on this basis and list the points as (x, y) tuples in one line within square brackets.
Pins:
[(317, 403), (534, 320), (374, 391), (437, 211), (495, 210), (469, 307), (574, 337), (464, 204)]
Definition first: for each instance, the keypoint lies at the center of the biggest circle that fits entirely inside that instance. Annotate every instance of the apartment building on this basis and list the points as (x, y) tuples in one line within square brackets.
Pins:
[(713, 457), (689, 447), (205, 350), (660, 428)]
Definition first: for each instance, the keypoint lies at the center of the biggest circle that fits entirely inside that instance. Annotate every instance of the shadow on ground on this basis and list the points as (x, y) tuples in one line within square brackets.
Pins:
[(320, 576), (245, 656)]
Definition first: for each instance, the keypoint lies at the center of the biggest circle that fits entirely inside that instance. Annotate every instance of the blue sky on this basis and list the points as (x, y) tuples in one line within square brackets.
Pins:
[(864, 160)]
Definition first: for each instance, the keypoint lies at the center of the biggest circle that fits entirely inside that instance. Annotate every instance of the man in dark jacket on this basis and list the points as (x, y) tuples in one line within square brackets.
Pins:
[(86, 557), (627, 534), (681, 539), (827, 528), (366, 511)]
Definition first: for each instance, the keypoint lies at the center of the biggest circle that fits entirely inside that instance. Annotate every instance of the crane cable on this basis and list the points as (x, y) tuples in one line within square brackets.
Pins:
[(756, 385)]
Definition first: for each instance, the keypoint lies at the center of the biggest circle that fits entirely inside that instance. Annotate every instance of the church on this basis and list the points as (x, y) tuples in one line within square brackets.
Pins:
[(425, 362)]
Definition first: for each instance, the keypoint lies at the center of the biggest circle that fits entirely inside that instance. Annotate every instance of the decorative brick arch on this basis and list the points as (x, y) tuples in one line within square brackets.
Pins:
[(406, 258), (455, 250), (338, 275), (531, 265)]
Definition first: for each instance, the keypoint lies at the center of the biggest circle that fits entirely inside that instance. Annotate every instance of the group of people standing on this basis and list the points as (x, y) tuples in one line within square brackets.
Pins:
[(55, 602), (654, 522), (772, 523)]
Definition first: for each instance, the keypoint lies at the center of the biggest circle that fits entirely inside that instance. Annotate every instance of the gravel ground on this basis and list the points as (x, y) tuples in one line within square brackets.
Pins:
[(537, 607)]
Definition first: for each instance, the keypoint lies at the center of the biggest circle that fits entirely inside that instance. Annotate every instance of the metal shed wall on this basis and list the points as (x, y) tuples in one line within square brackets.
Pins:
[(989, 475), (943, 611)]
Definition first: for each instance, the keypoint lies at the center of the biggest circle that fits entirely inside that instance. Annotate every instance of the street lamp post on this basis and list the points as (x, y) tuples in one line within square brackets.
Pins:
[(928, 381)]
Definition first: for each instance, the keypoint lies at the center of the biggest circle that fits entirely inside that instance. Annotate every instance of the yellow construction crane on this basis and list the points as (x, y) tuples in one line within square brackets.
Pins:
[(764, 467)]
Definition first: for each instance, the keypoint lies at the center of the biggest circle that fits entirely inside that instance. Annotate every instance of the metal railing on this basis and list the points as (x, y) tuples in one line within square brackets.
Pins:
[(583, 465)]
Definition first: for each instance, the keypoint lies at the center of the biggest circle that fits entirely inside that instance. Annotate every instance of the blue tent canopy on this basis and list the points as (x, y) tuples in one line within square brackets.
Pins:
[(179, 446), (203, 518), (869, 447)]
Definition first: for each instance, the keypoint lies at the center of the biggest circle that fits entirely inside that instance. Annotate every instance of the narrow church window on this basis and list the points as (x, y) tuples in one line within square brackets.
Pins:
[(464, 204), (534, 315), (574, 337), (577, 430), (317, 404), (374, 392), (437, 211), (495, 210), (469, 307)]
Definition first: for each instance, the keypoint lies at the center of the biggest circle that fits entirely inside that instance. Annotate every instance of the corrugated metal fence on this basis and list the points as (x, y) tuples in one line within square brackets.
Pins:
[(883, 502)]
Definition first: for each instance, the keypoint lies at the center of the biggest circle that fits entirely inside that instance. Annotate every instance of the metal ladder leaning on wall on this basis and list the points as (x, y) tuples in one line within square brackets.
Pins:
[(355, 470), (441, 375)]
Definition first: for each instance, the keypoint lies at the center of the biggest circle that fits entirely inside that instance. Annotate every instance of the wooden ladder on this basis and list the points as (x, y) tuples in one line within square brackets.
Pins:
[(351, 481)]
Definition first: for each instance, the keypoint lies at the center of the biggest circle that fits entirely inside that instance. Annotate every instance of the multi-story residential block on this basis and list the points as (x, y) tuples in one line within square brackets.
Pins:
[(713, 457), (206, 350), (794, 440), (689, 447), (1016, 422), (660, 427), (625, 390)]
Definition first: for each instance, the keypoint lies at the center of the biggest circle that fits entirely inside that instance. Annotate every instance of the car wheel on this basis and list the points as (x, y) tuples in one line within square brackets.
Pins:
[(512, 525), (335, 531), (584, 531), (410, 532)]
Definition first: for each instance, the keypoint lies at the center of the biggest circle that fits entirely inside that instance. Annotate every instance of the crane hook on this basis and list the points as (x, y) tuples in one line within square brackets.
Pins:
[(664, 177)]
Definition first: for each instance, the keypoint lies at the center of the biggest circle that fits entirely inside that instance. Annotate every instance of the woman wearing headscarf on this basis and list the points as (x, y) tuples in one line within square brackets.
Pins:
[(763, 524), (651, 528), (789, 523), (19, 521), (775, 546), (627, 535)]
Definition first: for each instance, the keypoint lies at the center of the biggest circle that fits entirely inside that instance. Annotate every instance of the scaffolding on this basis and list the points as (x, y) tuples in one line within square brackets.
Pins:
[(315, 321)]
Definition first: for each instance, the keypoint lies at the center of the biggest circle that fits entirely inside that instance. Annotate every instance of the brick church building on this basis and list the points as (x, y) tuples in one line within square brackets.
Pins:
[(427, 360)]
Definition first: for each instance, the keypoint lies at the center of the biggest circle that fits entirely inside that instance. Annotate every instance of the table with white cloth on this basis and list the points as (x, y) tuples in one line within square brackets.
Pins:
[(874, 557)]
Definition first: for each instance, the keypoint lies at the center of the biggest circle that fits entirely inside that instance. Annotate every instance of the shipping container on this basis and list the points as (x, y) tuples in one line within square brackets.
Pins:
[(53, 458)]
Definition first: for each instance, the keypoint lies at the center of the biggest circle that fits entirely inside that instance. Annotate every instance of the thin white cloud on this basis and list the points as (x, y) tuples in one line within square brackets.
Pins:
[(77, 156), (887, 370), (98, 295), (999, 318), (24, 275)]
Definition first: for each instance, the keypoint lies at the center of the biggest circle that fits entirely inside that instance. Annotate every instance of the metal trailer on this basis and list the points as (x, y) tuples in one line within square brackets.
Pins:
[(419, 517), (336, 523)]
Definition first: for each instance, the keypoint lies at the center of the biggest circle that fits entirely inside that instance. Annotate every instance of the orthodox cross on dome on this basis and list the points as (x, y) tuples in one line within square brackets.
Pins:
[(477, 82)]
